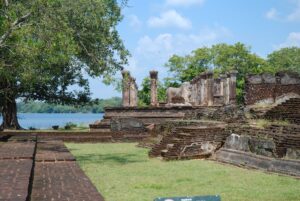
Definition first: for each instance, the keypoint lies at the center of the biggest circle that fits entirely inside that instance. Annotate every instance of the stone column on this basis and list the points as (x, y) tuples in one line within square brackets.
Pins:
[(203, 90), (194, 91), (153, 77), (232, 87), (133, 93), (210, 89), (126, 89), (223, 87)]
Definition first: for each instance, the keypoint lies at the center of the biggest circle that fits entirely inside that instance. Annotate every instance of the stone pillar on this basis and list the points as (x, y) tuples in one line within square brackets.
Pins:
[(232, 87), (194, 91), (227, 90), (203, 90), (133, 102), (210, 88), (223, 87), (126, 89), (153, 77), (198, 92)]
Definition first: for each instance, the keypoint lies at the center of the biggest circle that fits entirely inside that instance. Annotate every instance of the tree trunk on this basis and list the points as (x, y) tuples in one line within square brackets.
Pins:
[(9, 115)]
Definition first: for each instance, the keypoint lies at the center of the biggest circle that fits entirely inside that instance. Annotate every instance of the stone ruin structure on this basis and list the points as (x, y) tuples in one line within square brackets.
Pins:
[(202, 120), (129, 90), (205, 90), (271, 89)]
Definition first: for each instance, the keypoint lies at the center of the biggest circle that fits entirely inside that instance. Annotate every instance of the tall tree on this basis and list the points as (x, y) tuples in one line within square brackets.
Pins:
[(47, 46), (220, 58), (285, 59)]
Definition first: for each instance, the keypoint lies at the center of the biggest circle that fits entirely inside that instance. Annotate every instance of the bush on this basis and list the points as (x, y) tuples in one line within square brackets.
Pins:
[(70, 125)]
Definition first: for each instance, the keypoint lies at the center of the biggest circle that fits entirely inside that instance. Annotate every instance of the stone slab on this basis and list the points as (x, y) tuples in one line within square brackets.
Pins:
[(239, 158)]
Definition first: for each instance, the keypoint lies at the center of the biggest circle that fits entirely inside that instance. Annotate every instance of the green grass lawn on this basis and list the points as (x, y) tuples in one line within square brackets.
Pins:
[(123, 172)]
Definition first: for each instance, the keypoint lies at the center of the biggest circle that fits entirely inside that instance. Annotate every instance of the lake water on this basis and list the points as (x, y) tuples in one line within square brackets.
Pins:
[(44, 121)]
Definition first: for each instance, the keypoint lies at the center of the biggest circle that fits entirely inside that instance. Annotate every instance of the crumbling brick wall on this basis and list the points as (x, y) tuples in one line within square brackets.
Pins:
[(266, 88)]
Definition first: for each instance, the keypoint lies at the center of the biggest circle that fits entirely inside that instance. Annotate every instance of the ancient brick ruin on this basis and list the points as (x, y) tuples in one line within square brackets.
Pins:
[(271, 89), (201, 119), (129, 90), (205, 90)]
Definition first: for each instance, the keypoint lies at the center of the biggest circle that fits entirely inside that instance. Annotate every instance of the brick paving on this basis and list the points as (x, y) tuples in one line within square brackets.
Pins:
[(51, 151), (17, 150), (14, 179), (62, 181), (57, 177)]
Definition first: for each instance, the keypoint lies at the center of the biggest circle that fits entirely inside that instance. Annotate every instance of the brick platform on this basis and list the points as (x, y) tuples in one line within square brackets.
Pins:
[(52, 151), (62, 181), (42, 171), (17, 150), (14, 179)]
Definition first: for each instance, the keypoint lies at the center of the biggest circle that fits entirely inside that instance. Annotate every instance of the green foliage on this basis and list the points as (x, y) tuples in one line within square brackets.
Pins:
[(47, 46), (285, 59), (42, 107), (220, 58), (144, 93)]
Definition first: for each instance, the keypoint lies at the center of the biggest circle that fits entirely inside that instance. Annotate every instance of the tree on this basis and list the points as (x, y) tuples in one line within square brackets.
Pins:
[(220, 58), (145, 92), (46, 48), (285, 59)]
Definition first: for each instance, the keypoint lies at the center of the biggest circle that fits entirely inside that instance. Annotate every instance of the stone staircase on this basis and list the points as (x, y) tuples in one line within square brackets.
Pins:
[(288, 110), (189, 142)]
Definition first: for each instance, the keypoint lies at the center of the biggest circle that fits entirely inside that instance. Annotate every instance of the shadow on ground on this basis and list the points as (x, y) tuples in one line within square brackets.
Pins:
[(116, 158)]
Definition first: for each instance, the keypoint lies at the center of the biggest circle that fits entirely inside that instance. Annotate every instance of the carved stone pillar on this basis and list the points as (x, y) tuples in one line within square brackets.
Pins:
[(126, 89), (210, 88), (153, 77), (203, 100), (223, 87), (133, 93), (232, 87)]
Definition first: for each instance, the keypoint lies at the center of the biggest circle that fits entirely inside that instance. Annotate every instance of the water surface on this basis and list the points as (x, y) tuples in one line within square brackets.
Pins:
[(45, 120)]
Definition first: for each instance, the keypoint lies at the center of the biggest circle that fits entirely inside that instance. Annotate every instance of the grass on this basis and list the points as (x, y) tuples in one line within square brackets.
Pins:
[(123, 172), (263, 123)]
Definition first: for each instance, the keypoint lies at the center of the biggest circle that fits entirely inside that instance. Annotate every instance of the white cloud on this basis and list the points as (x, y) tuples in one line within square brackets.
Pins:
[(165, 45), (295, 15), (135, 22), (293, 39), (153, 52), (184, 2), (170, 18), (272, 14)]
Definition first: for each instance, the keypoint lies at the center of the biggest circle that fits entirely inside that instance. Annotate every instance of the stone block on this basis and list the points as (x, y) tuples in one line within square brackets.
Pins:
[(263, 147), (237, 142), (293, 153), (127, 124)]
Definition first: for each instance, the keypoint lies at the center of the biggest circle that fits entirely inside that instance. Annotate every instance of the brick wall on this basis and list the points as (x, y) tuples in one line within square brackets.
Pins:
[(268, 88)]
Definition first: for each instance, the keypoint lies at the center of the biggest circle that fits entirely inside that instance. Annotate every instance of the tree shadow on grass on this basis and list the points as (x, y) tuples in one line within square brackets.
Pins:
[(119, 159)]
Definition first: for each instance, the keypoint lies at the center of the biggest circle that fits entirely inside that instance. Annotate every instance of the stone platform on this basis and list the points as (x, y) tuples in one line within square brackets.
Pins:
[(150, 115), (249, 160)]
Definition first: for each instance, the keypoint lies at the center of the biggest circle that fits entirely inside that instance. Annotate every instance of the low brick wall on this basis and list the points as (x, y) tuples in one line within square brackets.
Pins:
[(267, 88), (284, 137), (80, 137)]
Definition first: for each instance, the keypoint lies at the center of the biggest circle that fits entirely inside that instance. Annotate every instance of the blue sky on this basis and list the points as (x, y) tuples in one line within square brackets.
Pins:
[(153, 30)]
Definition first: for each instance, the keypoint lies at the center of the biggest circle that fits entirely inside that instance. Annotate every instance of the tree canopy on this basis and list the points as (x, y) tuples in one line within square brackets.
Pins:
[(46, 48), (222, 58)]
